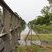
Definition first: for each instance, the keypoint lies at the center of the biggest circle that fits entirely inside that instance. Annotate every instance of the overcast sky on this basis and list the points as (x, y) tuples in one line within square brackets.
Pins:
[(27, 9)]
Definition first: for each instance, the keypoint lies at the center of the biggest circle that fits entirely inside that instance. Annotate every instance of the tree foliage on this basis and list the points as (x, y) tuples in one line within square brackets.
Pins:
[(43, 22), (50, 1)]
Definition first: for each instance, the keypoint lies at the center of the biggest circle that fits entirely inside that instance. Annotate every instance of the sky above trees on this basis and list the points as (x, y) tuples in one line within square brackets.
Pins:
[(27, 9)]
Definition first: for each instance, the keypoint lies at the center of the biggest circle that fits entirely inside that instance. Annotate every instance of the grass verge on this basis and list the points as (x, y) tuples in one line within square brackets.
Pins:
[(33, 48), (42, 37)]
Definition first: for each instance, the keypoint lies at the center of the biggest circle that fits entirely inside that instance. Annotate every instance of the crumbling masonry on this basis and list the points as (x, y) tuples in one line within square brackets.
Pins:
[(9, 23)]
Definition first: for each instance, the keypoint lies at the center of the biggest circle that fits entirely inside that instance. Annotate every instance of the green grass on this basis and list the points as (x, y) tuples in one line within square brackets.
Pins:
[(33, 48), (43, 28), (42, 37)]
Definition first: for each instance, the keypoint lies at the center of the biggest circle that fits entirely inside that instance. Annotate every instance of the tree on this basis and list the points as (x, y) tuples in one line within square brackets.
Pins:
[(45, 10), (50, 1), (43, 22)]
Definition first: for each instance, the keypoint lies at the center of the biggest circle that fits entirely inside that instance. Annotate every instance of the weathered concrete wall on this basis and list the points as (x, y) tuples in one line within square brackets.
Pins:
[(1, 19), (6, 22), (7, 17), (10, 26)]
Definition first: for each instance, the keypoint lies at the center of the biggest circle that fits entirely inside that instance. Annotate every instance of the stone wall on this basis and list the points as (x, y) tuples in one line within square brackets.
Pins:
[(9, 31)]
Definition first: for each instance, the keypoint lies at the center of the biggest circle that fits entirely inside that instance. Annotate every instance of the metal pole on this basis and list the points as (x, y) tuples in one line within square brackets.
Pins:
[(31, 35)]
